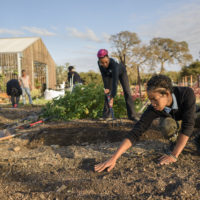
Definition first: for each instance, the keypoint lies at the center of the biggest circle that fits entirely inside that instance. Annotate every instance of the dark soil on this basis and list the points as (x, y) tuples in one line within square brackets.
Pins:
[(56, 160)]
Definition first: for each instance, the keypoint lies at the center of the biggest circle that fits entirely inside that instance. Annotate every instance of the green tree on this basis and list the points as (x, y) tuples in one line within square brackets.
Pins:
[(91, 77), (175, 76), (61, 73), (166, 50), (192, 69), (132, 74)]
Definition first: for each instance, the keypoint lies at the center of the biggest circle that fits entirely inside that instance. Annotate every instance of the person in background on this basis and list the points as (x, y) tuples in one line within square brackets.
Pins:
[(26, 87), (111, 72), (73, 77), (14, 90), (175, 103)]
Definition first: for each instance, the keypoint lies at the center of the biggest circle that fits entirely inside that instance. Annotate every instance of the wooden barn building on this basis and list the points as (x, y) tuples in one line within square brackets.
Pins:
[(30, 54)]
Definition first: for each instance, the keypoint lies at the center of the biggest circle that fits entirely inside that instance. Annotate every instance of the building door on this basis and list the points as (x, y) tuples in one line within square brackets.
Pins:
[(40, 76)]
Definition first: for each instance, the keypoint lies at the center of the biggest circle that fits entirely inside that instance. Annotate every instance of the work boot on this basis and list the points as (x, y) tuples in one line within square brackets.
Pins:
[(106, 116), (134, 119)]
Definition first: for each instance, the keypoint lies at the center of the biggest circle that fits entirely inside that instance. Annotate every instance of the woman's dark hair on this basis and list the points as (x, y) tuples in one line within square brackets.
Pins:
[(160, 81), (70, 68), (104, 57)]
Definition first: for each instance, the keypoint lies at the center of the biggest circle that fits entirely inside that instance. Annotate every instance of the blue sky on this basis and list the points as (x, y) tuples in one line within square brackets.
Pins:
[(73, 30)]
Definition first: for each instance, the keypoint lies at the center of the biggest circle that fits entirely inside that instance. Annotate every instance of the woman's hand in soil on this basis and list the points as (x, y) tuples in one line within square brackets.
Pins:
[(109, 164), (166, 159)]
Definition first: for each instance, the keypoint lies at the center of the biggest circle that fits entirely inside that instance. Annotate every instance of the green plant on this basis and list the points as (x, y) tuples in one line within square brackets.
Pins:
[(83, 102), (36, 93), (2, 83), (40, 101), (138, 104)]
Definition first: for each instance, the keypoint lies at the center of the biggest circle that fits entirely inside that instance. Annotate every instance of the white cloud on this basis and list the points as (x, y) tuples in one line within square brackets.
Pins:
[(106, 37), (39, 31), (75, 33), (10, 32), (88, 35), (181, 24), (91, 35)]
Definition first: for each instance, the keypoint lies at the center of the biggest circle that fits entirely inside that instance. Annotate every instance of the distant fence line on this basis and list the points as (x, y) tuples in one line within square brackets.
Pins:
[(190, 81)]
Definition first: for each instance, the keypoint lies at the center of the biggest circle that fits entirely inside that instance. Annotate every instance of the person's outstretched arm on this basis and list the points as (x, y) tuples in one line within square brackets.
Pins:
[(131, 138), (110, 164)]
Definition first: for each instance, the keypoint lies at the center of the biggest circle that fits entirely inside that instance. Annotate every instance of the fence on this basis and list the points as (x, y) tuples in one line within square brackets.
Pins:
[(192, 81)]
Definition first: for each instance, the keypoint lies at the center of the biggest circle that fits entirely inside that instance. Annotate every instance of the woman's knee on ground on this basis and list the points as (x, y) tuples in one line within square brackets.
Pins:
[(169, 128)]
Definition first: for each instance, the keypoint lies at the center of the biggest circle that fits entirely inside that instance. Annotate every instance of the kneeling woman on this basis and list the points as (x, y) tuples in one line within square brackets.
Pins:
[(167, 101)]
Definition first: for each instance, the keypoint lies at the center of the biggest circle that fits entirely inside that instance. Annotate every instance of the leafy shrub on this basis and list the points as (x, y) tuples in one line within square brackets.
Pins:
[(2, 83), (35, 93), (85, 102), (138, 104), (40, 101)]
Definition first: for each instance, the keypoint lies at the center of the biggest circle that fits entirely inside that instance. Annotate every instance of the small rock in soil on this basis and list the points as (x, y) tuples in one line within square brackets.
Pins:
[(16, 149), (63, 187)]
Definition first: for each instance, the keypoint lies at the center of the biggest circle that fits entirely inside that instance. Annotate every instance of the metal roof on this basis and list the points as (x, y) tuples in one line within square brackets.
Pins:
[(14, 45)]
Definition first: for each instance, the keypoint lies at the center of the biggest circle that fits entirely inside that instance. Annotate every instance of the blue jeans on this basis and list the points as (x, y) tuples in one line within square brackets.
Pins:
[(24, 92)]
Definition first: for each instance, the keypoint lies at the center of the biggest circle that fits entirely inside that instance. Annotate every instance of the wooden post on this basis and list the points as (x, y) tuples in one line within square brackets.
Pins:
[(183, 81), (191, 83), (32, 75), (47, 77), (186, 83), (19, 64)]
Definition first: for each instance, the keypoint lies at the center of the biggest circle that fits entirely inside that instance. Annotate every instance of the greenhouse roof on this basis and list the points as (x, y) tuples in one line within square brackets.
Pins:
[(15, 45)]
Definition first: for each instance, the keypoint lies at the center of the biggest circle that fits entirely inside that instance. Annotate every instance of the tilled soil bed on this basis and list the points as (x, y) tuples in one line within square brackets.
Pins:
[(56, 160)]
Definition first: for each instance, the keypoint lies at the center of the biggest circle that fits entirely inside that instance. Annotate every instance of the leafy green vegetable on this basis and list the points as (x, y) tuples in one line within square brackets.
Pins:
[(84, 102)]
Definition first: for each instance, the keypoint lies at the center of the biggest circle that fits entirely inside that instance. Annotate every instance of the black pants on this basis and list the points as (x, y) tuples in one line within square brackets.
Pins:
[(127, 95), (15, 100)]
